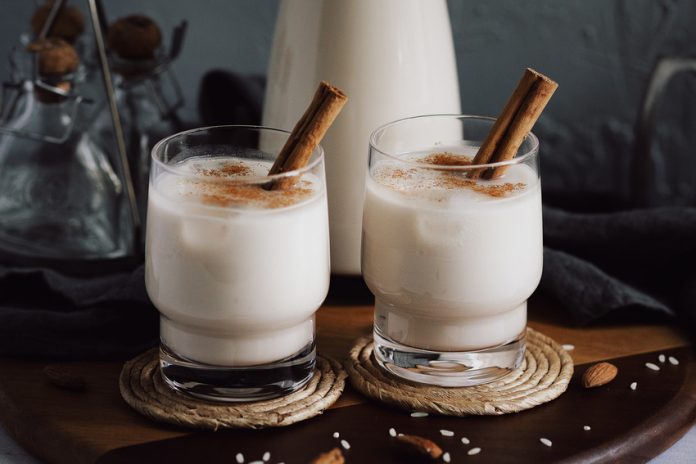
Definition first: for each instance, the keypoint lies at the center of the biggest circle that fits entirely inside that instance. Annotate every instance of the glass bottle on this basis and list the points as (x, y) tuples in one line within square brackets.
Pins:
[(147, 116), (60, 198), (144, 124)]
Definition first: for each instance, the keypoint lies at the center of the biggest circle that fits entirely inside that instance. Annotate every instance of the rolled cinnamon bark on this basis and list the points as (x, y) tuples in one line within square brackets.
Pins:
[(519, 115), (308, 132)]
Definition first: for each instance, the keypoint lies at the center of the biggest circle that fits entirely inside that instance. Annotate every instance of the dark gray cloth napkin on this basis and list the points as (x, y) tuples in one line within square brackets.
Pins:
[(50, 315), (630, 260)]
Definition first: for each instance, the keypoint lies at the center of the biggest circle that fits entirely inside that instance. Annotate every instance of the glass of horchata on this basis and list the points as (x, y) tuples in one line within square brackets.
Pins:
[(236, 269), (451, 250)]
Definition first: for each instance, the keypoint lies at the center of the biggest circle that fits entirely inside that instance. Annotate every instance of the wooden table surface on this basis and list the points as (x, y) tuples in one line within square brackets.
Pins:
[(73, 427)]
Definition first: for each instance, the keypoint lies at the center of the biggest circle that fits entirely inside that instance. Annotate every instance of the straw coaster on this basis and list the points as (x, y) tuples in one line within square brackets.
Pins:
[(143, 388), (543, 376)]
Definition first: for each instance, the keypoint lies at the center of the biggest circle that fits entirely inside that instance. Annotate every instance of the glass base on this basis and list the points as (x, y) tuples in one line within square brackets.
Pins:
[(236, 384), (449, 368)]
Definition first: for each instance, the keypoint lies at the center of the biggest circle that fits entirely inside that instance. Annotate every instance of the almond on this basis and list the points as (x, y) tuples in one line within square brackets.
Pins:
[(332, 457), (599, 374), (419, 445), (62, 378)]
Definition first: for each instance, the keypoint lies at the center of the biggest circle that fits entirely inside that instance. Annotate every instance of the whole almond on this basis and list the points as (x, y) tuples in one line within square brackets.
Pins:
[(63, 378), (419, 445), (599, 374), (332, 457)]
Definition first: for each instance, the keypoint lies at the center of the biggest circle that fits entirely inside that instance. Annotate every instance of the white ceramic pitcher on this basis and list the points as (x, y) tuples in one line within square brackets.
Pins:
[(393, 58)]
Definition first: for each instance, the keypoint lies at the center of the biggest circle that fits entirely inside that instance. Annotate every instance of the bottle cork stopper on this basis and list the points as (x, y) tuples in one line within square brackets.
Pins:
[(134, 37), (68, 25), (56, 56)]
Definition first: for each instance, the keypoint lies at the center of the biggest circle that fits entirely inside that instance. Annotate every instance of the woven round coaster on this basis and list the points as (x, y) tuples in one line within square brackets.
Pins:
[(543, 376), (143, 388)]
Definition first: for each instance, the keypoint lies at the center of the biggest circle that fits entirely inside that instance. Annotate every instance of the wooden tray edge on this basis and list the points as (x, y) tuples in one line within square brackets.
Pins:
[(655, 435)]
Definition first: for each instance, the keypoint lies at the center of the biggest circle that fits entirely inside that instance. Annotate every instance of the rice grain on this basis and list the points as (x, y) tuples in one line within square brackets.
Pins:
[(652, 366)]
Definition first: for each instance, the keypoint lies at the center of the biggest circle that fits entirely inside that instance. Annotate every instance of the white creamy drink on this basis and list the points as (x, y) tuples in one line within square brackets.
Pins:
[(451, 261), (237, 272)]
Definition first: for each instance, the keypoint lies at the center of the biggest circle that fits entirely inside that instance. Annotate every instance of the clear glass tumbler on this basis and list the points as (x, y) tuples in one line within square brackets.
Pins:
[(450, 254), (237, 270)]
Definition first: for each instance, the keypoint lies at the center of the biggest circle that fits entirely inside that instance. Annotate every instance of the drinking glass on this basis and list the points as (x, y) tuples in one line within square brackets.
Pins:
[(236, 269), (450, 258)]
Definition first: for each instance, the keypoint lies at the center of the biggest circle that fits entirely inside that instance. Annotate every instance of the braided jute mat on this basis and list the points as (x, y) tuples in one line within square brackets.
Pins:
[(143, 388), (543, 376)]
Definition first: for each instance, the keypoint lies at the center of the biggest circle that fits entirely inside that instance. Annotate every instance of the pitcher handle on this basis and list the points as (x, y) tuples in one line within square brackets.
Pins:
[(645, 160)]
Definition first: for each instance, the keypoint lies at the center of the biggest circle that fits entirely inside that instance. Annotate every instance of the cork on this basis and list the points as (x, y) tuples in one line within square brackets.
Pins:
[(56, 56), (134, 37), (68, 25)]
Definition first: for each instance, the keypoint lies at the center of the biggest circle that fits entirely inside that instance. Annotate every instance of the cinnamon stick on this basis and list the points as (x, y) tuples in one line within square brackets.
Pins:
[(519, 115), (307, 133)]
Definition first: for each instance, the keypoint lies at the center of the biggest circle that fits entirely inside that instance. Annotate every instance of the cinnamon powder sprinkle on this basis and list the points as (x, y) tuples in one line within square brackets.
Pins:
[(446, 158), (402, 174), (217, 187), (449, 180), (455, 181), (228, 169), (232, 194)]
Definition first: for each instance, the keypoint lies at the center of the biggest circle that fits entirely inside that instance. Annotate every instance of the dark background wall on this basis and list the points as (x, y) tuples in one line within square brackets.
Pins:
[(600, 51)]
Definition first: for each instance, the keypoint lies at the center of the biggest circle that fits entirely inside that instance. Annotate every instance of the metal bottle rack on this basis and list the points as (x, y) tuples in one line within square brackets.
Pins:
[(12, 91)]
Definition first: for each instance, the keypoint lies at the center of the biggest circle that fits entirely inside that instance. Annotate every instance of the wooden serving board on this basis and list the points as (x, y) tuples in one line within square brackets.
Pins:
[(95, 425)]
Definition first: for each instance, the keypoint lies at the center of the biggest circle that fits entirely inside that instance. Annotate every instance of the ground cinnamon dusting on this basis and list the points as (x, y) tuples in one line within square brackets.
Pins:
[(449, 180), (455, 181), (231, 194), (216, 186), (402, 174), (229, 169), (446, 158), (227, 195)]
